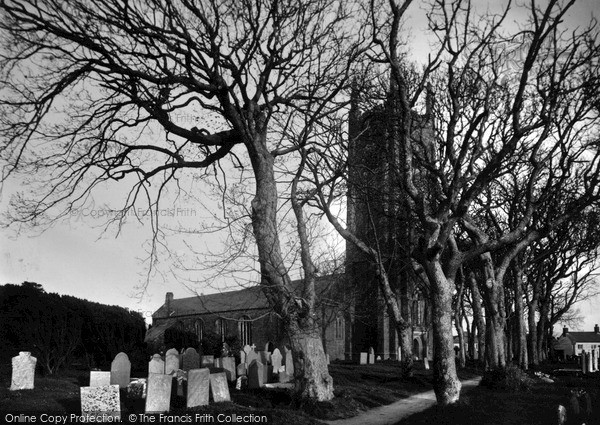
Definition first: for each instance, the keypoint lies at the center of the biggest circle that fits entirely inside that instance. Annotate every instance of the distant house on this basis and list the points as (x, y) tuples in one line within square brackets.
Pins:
[(573, 343)]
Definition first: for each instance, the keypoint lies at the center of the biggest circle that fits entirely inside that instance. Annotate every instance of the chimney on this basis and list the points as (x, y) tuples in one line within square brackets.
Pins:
[(168, 300), (596, 329), (565, 331)]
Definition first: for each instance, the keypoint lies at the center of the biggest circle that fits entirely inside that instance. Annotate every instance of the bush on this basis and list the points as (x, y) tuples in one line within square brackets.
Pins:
[(509, 378)]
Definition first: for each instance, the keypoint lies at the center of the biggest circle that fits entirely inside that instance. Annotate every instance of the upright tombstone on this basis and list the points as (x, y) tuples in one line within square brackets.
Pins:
[(171, 364), (158, 396), (156, 365), (191, 359), (198, 387), (256, 375), (246, 349), (99, 379), (172, 351), (207, 361), (100, 401), (371, 355), (289, 362), (251, 356), (23, 371), (276, 360), (120, 370), (241, 369), (363, 358), (228, 363), (219, 387)]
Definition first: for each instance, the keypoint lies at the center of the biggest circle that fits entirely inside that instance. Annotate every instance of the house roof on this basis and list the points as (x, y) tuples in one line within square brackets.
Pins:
[(581, 337), (252, 298)]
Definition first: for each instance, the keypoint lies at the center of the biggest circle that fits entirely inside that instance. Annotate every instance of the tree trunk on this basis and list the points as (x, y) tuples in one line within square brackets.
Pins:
[(521, 337), (445, 381), (495, 342), (311, 374), (457, 320), (478, 319)]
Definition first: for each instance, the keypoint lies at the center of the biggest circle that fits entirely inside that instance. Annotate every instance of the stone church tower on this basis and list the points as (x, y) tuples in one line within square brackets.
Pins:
[(377, 214)]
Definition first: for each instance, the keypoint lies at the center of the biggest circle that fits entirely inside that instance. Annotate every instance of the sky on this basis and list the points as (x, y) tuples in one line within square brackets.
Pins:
[(76, 257)]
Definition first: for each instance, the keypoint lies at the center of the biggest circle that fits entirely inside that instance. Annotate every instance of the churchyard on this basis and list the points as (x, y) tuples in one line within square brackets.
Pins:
[(257, 383)]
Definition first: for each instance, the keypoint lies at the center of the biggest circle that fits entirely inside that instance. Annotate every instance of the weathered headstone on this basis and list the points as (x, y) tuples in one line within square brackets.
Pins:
[(247, 350), (23, 371), (363, 358), (207, 361), (99, 379), (251, 356), (198, 387), (158, 397), (172, 351), (228, 363), (191, 359), (256, 375), (99, 401), (371, 355), (219, 387), (120, 370), (241, 369), (276, 360), (156, 365), (289, 362), (171, 364), (561, 415)]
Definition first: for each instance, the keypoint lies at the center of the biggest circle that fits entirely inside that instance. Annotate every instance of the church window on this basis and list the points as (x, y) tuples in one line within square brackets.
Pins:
[(199, 329), (245, 329)]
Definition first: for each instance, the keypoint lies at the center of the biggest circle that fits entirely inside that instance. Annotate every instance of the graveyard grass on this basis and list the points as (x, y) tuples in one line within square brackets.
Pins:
[(357, 388)]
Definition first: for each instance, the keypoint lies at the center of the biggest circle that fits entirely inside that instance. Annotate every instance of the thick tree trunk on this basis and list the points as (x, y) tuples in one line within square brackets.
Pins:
[(445, 381), (311, 373), (457, 321), (521, 336), (478, 319), (495, 342)]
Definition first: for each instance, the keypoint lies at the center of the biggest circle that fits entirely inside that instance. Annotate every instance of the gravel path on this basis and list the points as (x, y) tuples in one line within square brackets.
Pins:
[(392, 413)]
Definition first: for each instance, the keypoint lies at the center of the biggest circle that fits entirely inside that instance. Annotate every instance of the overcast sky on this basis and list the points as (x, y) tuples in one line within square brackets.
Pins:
[(77, 258)]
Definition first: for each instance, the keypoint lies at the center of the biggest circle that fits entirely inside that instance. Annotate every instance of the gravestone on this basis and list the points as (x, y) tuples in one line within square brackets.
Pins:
[(228, 363), (241, 369), (371, 356), (247, 350), (426, 363), (172, 351), (99, 379), (264, 357), (156, 365), (363, 358), (251, 356), (219, 387), (99, 401), (561, 415), (207, 361), (191, 359), (171, 364), (289, 362), (276, 360), (120, 370), (158, 397), (197, 387), (256, 375), (23, 371)]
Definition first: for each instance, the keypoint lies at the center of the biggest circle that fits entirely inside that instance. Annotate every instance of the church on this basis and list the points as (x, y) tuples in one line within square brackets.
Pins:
[(351, 311)]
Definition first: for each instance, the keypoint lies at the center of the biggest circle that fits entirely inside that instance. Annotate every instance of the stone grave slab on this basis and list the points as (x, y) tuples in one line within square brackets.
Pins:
[(276, 358), (219, 387), (158, 397), (172, 351), (99, 379), (23, 371), (207, 361), (120, 370), (256, 375), (363, 358), (171, 364), (96, 401), (241, 369), (198, 387), (156, 365), (371, 356), (228, 363), (191, 359)]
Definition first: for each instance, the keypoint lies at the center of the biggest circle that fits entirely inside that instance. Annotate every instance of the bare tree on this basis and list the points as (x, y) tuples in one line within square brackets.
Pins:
[(84, 83)]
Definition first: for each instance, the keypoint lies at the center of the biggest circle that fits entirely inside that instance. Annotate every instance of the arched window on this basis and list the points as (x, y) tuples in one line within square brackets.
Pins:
[(339, 327), (245, 331), (199, 329), (221, 328)]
